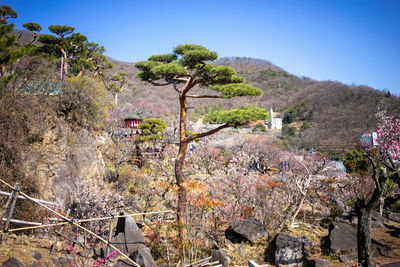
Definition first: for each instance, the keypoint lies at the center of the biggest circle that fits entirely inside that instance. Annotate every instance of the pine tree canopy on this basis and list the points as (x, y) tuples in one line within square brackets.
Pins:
[(188, 66), (7, 12), (236, 117), (61, 30), (152, 129), (31, 26)]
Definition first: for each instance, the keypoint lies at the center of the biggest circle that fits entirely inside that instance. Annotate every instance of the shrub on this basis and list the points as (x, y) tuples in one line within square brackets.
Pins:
[(84, 101), (93, 201), (289, 131), (259, 127)]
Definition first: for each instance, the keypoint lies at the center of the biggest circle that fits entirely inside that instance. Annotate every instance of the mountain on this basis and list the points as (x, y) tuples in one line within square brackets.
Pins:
[(338, 113)]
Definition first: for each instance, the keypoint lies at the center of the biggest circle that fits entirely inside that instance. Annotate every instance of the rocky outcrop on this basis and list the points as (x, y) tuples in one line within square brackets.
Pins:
[(247, 230), (66, 154), (291, 251)]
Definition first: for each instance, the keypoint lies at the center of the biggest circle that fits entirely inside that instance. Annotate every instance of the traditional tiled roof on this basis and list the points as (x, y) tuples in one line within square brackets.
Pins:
[(133, 116)]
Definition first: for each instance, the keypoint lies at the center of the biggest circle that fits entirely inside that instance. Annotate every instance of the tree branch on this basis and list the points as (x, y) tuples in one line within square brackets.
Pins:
[(200, 135), (159, 84), (204, 96)]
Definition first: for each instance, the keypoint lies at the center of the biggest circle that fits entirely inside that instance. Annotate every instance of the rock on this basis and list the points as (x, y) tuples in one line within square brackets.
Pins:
[(319, 263), (343, 242), (63, 261), (248, 230), (291, 251), (12, 262), (377, 220), (129, 240), (220, 255), (36, 255), (241, 250), (342, 237), (393, 264), (35, 264), (393, 216)]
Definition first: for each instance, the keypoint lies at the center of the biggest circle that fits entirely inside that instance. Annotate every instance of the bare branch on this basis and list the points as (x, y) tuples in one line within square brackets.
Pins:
[(200, 135), (159, 84)]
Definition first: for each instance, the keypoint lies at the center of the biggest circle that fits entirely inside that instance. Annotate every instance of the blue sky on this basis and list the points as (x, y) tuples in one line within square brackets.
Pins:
[(352, 41)]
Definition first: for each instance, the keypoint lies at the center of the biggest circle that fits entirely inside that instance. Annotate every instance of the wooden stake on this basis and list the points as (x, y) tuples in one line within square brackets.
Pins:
[(16, 190)]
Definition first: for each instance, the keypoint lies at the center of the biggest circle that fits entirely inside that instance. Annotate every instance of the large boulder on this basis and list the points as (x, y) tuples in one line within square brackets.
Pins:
[(342, 237), (291, 251), (12, 262), (343, 242), (247, 230), (129, 240), (394, 216), (377, 220)]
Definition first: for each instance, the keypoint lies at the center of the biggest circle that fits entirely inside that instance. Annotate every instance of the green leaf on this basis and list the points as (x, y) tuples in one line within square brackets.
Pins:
[(237, 117), (182, 49), (31, 26), (61, 30), (237, 89), (48, 39), (146, 65), (193, 57), (167, 58), (169, 70)]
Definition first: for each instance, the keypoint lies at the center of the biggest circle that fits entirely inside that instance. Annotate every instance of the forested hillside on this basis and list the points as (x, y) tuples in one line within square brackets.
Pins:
[(337, 113)]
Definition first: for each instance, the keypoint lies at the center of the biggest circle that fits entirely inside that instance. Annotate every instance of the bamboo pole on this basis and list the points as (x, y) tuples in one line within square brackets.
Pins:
[(78, 225), (86, 220)]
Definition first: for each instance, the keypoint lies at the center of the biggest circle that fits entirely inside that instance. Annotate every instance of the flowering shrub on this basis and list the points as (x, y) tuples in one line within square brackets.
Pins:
[(93, 201), (389, 136)]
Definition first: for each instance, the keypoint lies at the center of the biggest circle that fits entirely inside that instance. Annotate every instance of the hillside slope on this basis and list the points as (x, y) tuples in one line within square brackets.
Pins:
[(338, 113)]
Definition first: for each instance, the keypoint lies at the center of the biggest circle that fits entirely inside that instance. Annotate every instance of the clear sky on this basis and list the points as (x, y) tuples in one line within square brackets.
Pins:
[(352, 41)]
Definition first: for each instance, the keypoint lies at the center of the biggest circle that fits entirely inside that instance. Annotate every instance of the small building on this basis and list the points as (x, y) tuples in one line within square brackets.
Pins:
[(369, 139), (274, 122), (133, 120)]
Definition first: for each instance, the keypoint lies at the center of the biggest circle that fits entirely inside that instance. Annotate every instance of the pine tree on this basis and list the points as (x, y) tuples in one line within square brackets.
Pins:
[(182, 70), (10, 52)]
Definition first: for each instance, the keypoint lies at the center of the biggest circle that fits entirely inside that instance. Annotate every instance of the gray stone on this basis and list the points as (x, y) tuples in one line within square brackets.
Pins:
[(129, 240), (291, 251), (248, 230), (12, 262), (393, 264), (220, 255), (319, 263), (342, 237), (35, 264), (36, 255), (343, 242), (393, 216), (63, 261)]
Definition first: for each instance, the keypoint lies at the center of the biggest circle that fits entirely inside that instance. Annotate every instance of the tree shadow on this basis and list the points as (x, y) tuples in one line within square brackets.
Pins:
[(395, 231)]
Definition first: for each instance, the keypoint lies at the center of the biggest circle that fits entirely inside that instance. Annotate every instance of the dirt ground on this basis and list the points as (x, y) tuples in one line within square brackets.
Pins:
[(23, 247)]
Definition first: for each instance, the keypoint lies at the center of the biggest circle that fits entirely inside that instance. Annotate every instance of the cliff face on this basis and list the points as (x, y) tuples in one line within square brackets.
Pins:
[(66, 155)]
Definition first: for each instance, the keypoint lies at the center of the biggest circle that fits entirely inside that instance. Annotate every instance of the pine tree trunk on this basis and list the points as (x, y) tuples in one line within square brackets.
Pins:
[(179, 176), (363, 234)]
